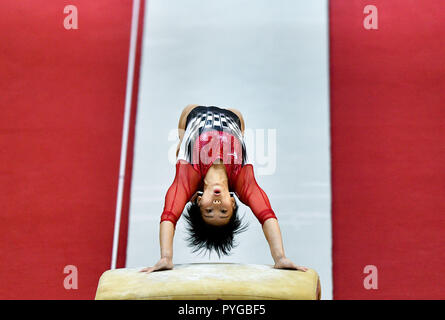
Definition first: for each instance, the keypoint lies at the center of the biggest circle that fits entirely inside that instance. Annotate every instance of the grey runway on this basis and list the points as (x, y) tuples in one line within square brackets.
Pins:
[(270, 61)]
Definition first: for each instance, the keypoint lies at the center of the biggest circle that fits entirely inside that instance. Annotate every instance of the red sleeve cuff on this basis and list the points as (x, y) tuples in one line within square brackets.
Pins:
[(169, 216), (265, 215)]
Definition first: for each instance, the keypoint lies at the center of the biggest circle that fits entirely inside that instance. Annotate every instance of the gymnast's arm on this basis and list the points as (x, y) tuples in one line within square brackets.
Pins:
[(251, 194), (272, 233), (181, 190), (166, 234)]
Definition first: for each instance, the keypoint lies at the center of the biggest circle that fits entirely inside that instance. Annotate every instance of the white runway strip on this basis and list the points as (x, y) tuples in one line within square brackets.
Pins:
[(126, 125), (269, 59)]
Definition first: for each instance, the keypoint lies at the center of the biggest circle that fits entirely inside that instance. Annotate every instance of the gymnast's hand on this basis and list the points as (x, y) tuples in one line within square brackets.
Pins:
[(285, 263), (162, 264)]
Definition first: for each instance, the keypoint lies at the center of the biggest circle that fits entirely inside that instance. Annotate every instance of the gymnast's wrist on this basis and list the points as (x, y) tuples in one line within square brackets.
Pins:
[(278, 257)]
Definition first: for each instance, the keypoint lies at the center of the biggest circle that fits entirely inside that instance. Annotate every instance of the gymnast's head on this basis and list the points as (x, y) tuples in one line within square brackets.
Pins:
[(213, 221)]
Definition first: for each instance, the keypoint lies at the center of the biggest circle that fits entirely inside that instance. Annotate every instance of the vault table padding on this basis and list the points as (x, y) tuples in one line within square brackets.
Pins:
[(209, 281)]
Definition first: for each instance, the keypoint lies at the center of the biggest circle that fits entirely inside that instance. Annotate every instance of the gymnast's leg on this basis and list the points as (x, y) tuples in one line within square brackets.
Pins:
[(182, 123)]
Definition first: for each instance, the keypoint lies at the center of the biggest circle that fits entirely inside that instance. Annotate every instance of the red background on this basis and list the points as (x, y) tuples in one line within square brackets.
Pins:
[(62, 103), (388, 148)]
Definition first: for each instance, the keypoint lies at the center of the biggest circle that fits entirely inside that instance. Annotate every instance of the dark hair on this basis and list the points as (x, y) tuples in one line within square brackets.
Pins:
[(206, 237)]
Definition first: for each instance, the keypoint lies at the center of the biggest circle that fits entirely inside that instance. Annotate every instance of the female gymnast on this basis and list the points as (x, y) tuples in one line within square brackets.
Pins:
[(211, 166)]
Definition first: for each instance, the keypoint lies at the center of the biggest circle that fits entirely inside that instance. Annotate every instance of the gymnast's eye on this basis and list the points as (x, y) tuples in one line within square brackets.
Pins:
[(208, 210), (223, 210)]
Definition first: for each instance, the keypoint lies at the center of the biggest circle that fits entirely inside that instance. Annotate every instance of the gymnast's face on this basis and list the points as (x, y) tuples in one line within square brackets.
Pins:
[(216, 205)]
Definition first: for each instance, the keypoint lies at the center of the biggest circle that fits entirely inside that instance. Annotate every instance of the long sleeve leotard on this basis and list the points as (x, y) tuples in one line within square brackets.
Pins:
[(188, 180)]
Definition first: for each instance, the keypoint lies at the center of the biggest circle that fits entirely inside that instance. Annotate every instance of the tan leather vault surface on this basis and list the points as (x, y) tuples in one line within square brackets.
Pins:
[(209, 281)]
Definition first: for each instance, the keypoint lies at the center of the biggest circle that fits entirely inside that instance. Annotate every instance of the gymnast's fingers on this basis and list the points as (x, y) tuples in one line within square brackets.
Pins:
[(304, 269), (147, 269), (300, 268)]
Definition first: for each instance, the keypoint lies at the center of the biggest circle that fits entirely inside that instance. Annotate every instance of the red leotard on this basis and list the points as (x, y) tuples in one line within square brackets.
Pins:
[(207, 141)]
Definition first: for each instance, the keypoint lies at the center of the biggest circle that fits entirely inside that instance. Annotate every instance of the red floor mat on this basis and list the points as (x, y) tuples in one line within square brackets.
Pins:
[(388, 148), (62, 103)]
